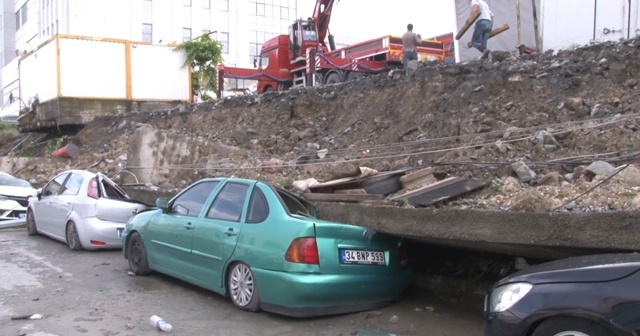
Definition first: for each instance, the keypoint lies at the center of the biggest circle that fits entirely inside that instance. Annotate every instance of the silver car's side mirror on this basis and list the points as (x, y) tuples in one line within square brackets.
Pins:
[(39, 193)]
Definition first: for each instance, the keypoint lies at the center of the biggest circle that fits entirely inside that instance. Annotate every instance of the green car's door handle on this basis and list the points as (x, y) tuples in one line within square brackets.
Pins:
[(230, 232), (188, 226)]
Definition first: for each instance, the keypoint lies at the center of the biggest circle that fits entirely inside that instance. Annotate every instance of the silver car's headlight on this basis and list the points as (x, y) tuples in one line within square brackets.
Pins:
[(504, 297)]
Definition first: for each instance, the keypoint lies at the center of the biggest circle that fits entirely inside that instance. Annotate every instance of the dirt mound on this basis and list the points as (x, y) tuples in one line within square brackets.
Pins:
[(554, 111)]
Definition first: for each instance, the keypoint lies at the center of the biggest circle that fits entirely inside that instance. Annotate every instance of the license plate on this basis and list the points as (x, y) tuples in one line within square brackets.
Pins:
[(22, 216), (120, 232), (362, 257)]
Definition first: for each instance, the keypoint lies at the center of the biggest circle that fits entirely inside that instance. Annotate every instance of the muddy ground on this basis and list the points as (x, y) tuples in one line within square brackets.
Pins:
[(556, 112), (90, 293)]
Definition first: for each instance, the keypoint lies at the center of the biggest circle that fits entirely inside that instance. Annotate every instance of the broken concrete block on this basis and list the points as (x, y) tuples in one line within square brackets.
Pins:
[(531, 200), (524, 173), (630, 175), (550, 179), (600, 168), (599, 111), (574, 104), (344, 169)]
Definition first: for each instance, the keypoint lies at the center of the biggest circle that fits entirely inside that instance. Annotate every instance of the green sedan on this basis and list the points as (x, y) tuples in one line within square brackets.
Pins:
[(265, 248)]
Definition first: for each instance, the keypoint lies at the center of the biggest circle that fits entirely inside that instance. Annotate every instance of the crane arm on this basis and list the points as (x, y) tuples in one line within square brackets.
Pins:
[(322, 16)]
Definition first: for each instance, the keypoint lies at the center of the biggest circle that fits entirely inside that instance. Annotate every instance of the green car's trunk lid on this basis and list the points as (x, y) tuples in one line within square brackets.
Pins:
[(354, 249)]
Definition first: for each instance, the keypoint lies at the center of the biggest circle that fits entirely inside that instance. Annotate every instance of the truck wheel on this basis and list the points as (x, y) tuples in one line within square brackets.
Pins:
[(333, 78), (354, 75)]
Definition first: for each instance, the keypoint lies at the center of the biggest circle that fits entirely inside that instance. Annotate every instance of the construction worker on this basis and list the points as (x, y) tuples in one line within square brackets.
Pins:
[(410, 42), (483, 26)]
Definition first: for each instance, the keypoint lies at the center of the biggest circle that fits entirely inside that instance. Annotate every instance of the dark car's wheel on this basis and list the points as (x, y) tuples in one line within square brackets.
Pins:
[(242, 287), (73, 239), (137, 255), (570, 326), (32, 229)]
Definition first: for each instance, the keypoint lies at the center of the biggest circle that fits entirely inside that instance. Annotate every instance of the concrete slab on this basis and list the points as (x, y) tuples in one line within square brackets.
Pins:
[(534, 235)]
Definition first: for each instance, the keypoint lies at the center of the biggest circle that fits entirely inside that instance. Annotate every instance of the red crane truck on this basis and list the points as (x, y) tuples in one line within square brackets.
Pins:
[(302, 57)]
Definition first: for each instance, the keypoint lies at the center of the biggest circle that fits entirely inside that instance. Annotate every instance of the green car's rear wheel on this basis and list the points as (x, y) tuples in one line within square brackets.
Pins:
[(137, 255), (242, 287)]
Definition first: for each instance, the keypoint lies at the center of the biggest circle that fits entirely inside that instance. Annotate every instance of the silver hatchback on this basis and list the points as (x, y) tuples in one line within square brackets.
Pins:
[(85, 210)]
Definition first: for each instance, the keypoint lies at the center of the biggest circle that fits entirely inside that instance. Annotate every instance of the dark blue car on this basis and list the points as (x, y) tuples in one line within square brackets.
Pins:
[(597, 295)]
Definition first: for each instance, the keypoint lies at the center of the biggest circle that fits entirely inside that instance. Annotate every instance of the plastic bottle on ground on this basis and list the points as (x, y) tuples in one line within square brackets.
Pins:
[(160, 323)]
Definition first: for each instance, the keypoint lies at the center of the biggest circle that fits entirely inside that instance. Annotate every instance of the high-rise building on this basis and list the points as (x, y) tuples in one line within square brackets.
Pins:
[(240, 25)]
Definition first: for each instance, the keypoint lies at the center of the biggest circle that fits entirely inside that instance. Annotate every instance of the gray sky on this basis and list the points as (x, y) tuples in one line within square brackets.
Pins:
[(366, 19)]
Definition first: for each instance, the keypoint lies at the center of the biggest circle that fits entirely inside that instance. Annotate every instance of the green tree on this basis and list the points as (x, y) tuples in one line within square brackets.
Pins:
[(203, 56)]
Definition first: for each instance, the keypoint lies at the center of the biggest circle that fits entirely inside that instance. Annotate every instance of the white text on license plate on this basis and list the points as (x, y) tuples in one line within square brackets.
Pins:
[(362, 257)]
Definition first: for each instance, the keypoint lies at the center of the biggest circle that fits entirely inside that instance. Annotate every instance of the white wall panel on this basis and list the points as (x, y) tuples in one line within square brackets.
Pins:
[(567, 23), (38, 74), (157, 74), (93, 69)]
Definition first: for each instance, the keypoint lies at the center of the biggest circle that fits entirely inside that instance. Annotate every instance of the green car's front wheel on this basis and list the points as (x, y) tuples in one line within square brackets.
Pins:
[(242, 287), (137, 255)]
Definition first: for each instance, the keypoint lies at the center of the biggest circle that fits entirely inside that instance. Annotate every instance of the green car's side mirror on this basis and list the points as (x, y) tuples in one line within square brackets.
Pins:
[(162, 203)]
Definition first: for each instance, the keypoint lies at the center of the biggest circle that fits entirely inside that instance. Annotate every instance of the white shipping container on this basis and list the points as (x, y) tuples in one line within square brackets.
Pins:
[(149, 80), (94, 68)]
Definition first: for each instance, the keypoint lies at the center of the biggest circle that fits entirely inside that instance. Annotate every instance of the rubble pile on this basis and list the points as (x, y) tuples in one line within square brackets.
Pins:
[(531, 126)]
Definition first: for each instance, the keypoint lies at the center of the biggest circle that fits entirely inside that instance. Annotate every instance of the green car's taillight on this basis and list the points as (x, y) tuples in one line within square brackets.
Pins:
[(303, 251)]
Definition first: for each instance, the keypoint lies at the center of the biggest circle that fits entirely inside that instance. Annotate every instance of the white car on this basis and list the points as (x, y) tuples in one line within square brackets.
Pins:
[(14, 198), (85, 210)]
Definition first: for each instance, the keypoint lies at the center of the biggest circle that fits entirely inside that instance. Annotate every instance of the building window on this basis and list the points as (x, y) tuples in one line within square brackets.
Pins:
[(224, 5), (186, 3), (147, 32), (21, 16), (224, 40), (254, 51), (186, 34)]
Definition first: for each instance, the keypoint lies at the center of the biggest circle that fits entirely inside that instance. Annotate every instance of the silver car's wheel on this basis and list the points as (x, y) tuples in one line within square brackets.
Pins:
[(32, 229), (242, 288), (73, 240), (570, 326)]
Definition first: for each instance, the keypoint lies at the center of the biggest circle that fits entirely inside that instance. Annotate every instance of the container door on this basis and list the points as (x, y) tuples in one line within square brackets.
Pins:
[(612, 20)]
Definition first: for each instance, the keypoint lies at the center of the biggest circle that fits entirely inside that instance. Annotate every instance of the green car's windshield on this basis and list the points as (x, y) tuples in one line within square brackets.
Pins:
[(10, 181)]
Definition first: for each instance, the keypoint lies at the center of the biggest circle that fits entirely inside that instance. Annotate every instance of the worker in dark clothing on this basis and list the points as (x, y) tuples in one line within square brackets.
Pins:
[(410, 42)]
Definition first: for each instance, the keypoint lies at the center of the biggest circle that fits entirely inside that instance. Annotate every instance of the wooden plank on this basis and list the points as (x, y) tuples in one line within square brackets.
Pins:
[(340, 197), (494, 32), (467, 25), (419, 183), (379, 202), (414, 175), (437, 185), (351, 191), (455, 189)]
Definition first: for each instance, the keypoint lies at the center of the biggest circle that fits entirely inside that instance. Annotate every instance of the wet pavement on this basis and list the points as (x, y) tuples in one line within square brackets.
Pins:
[(91, 293)]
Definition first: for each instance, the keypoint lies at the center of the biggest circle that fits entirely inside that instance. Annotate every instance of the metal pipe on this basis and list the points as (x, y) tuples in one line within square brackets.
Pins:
[(519, 22), (536, 30)]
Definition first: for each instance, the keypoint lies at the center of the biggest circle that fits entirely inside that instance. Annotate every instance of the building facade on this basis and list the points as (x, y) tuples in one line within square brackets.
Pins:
[(240, 25)]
